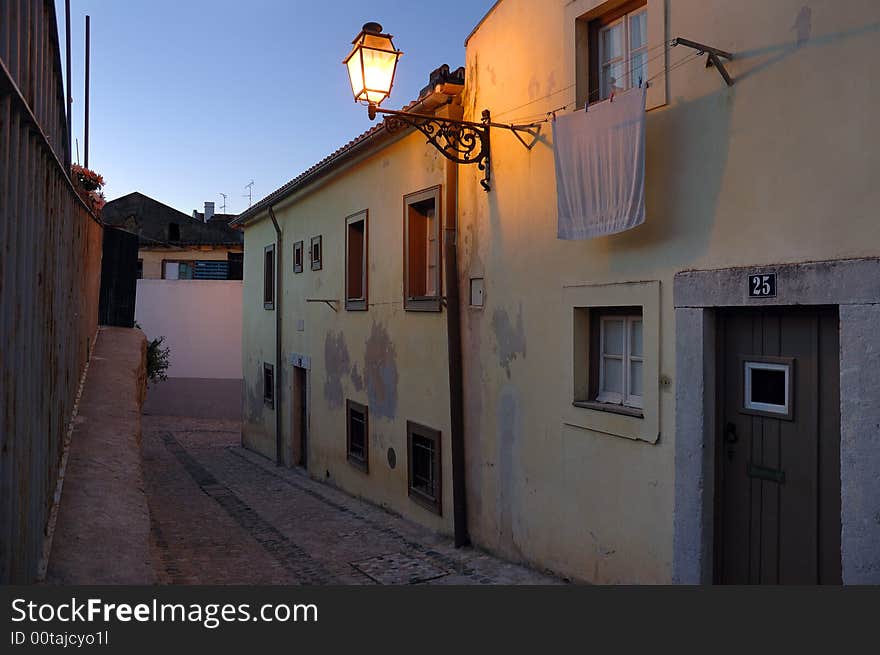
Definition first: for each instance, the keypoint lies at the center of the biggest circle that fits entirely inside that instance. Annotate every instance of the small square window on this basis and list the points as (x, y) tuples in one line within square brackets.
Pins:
[(176, 270), (316, 253), (767, 387), (269, 385), (609, 366), (356, 261), (424, 467), (298, 248), (357, 434), (620, 360), (618, 50)]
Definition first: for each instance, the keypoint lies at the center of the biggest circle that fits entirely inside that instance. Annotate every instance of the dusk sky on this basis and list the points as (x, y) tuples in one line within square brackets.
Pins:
[(193, 98)]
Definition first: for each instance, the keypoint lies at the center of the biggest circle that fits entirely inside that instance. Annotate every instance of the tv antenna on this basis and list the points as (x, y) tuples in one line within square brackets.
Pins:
[(223, 206), (250, 193)]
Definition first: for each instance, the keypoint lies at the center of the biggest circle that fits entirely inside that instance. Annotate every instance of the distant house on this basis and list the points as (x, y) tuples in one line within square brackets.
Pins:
[(175, 246)]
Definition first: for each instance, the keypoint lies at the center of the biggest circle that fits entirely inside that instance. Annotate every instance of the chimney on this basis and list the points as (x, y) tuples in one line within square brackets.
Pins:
[(209, 211)]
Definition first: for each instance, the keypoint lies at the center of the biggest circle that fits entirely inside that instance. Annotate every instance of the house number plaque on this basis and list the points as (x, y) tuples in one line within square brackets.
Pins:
[(762, 285)]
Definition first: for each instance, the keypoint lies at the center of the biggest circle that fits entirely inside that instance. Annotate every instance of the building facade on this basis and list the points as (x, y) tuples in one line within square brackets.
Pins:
[(693, 400), (174, 246)]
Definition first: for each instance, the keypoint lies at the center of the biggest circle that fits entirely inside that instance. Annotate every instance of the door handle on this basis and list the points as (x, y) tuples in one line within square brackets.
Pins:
[(730, 433), (730, 438)]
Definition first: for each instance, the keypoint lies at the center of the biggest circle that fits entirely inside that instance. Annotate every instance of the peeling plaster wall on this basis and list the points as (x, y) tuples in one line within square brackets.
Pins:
[(391, 360), (774, 169), (258, 344)]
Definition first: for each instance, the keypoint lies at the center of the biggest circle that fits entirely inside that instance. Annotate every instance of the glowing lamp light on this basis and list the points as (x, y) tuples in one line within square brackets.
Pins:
[(371, 65)]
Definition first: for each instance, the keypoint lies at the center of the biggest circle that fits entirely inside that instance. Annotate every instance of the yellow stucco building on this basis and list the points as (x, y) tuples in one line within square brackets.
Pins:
[(693, 400)]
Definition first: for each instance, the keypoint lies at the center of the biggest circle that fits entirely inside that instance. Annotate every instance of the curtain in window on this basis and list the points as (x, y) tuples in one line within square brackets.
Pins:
[(600, 167)]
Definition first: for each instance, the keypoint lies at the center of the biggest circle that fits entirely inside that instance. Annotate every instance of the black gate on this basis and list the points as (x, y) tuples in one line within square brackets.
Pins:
[(118, 278)]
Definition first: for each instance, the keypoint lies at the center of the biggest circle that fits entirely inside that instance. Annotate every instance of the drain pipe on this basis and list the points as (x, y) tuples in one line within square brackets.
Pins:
[(279, 370), (453, 335)]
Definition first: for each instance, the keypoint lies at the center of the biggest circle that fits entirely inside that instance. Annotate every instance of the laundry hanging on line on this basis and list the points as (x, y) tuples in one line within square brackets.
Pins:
[(600, 167)]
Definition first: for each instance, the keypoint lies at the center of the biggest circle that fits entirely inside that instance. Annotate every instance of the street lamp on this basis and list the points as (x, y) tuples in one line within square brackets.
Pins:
[(371, 66)]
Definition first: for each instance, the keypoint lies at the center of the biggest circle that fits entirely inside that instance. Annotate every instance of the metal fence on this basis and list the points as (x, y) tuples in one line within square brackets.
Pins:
[(50, 259)]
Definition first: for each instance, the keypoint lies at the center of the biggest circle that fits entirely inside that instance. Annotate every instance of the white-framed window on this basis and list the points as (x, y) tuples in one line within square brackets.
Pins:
[(621, 360), (767, 387), (623, 53)]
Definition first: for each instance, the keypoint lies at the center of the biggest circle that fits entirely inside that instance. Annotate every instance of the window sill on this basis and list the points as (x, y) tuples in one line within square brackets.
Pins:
[(359, 464), (268, 403), (356, 305), (268, 305), (608, 407), (422, 304), (425, 501)]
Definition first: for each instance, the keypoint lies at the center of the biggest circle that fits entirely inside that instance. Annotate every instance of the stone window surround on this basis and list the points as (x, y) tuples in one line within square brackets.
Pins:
[(852, 285), (641, 426)]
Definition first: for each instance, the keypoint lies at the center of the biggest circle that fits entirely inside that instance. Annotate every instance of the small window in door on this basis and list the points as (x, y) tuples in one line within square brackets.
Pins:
[(767, 387)]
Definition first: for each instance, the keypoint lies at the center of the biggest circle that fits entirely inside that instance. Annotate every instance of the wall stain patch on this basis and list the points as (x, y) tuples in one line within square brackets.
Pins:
[(356, 379), (337, 364), (380, 373), (510, 338), (803, 25), (509, 442)]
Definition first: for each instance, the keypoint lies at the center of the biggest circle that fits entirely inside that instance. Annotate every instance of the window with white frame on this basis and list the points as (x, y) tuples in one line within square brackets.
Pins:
[(622, 51), (620, 360)]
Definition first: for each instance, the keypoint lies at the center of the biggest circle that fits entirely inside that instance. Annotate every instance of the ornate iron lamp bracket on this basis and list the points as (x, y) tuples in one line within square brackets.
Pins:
[(463, 142)]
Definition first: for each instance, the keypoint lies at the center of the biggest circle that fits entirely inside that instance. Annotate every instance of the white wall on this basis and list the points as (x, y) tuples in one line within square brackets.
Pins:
[(201, 323)]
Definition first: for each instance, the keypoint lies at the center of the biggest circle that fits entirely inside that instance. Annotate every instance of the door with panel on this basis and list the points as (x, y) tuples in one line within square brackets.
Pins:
[(778, 447)]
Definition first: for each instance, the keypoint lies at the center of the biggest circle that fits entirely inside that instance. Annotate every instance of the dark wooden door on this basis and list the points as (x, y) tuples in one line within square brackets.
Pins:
[(118, 278), (778, 448), (300, 417)]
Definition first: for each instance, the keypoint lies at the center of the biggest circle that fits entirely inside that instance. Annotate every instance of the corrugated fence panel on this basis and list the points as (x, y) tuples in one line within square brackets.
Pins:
[(50, 260)]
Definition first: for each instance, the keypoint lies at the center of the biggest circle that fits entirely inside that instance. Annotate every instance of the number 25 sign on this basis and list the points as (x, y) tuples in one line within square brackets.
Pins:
[(762, 285)]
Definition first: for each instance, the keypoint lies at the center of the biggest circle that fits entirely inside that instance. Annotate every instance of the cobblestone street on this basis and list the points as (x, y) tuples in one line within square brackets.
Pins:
[(220, 514)]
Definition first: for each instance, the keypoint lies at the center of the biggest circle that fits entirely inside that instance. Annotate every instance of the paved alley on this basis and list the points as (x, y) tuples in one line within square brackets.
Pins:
[(220, 514)]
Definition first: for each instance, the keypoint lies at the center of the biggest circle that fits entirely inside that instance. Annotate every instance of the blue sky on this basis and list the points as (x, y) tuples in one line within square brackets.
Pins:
[(192, 98)]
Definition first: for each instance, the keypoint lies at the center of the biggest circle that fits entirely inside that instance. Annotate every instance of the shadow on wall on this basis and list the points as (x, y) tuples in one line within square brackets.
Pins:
[(686, 149)]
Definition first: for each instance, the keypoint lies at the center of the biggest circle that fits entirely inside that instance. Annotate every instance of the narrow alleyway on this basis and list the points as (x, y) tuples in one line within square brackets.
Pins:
[(223, 515)]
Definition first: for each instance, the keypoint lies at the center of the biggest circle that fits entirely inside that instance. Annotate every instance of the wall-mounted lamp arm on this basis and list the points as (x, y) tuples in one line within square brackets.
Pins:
[(463, 142)]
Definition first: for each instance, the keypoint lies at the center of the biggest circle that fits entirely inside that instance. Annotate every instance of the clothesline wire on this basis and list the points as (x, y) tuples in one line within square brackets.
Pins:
[(558, 91), (591, 96), (547, 116)]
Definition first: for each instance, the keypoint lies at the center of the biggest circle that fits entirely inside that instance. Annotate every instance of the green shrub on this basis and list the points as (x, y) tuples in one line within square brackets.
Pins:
[(158, 360)]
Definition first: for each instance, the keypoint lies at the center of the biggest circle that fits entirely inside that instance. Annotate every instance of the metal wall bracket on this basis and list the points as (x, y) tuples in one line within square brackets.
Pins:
[(463, 142), (332, 303), (714, 56)]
